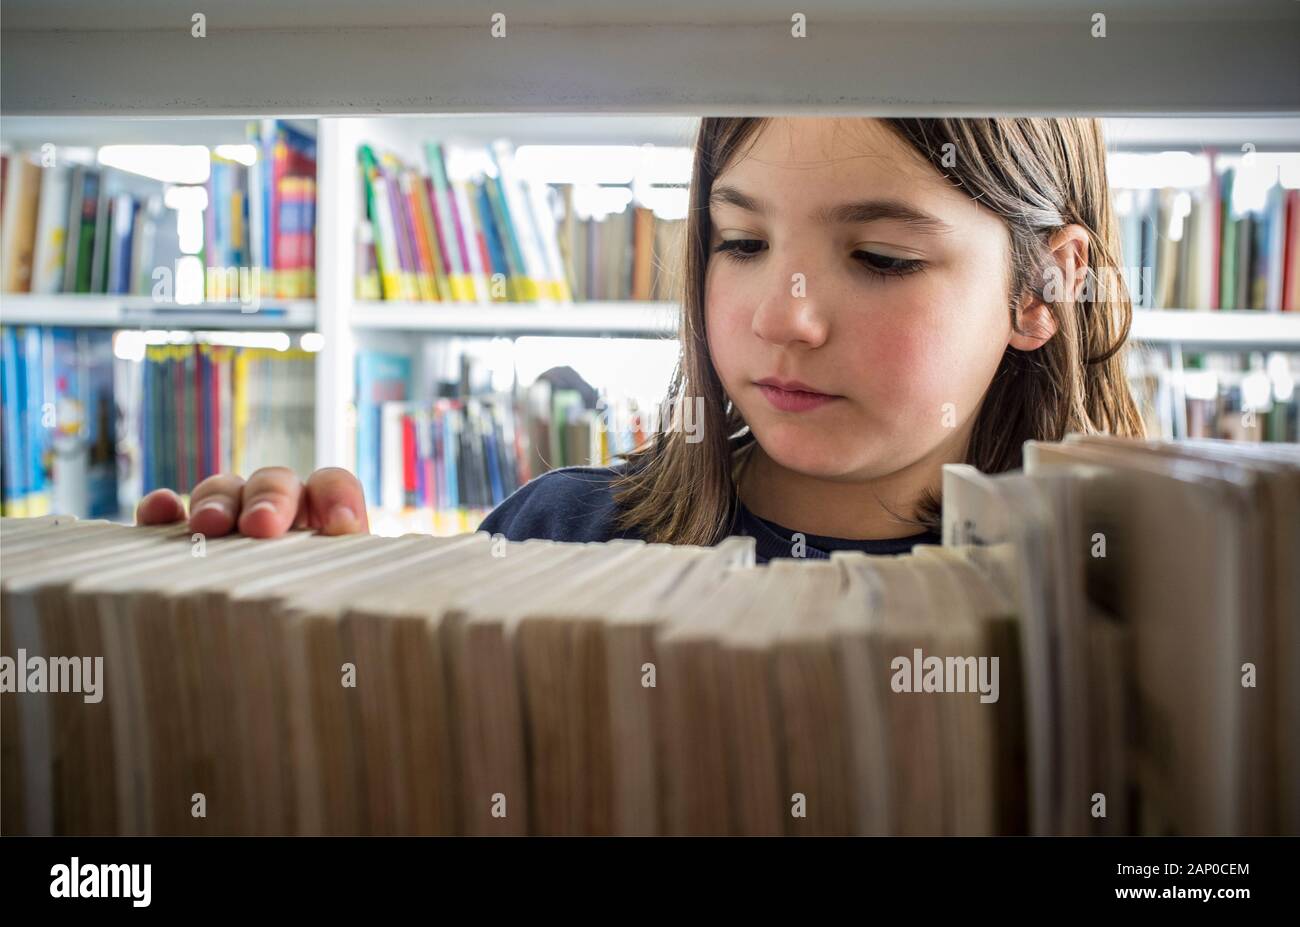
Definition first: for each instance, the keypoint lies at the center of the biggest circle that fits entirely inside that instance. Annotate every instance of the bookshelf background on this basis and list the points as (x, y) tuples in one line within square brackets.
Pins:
[(622, 347)]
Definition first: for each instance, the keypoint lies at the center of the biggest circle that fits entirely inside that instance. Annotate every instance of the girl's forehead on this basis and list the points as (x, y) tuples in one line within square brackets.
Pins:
[(841, 155)]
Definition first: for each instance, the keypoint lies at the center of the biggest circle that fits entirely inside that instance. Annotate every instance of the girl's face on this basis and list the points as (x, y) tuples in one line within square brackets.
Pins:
[(844, 264)]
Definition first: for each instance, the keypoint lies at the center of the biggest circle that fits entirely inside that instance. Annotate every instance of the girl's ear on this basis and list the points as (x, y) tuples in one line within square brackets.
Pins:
[(1068, 270)]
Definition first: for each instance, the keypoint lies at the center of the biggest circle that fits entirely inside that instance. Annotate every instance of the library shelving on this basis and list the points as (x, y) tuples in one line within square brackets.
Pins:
[(104, 311), (343, 324), (896, 57)]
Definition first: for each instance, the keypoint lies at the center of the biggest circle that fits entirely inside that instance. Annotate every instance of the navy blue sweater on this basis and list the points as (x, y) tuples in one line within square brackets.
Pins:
[(577, 504)]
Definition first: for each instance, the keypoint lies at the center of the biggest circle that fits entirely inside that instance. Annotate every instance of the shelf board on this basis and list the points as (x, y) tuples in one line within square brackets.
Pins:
[(1243, 330), (1196, 135), (104, 311), (883, 57), (625, 319), (96, 131)]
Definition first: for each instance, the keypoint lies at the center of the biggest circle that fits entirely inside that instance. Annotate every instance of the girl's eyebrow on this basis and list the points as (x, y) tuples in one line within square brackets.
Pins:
[(855, 213)]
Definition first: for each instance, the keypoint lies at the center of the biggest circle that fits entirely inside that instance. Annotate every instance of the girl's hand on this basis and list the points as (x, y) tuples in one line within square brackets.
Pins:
[(272, 501)]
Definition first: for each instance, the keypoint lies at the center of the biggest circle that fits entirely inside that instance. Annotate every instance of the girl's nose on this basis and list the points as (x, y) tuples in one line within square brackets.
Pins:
[(791, 313)]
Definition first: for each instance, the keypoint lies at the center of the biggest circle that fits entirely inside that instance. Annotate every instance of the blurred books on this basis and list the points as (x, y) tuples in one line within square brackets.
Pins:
[(1193, 249)]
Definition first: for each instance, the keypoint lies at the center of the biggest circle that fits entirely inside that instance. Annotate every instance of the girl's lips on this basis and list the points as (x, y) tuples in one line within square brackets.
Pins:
[(794, 400)]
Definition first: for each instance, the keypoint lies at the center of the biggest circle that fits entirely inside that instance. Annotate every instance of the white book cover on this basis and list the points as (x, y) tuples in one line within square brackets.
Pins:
[(470, 226), (51, 230), (521, 213), (391, 490)]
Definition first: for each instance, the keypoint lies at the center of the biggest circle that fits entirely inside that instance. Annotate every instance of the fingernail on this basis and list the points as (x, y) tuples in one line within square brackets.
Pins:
[(259, 506), (340, 520), (216, 505)]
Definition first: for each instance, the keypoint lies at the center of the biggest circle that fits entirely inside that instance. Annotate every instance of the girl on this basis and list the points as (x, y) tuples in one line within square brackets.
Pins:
[(863, 301)]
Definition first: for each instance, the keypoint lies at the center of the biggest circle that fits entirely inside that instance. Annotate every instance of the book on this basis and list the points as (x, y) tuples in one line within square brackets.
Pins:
[(1069, 661), (19, 221), (51, 230), (430, 236)]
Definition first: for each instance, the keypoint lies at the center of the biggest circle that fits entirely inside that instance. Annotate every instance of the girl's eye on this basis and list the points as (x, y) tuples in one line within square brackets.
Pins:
[(879, 265), (736, 248), (882, 265)]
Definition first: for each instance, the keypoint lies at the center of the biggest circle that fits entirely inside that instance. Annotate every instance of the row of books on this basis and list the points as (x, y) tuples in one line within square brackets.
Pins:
[(632, 254), (460, 453), (78, 228), (452, 454), (260, 224), (1105, 643), (72, 228), (58, 422), (1192, 250), (1220, 395), (429, 238), (209, 409)]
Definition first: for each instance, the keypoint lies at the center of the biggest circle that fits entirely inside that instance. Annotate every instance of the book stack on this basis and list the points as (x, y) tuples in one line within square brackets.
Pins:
[(427, 237), (628, 255), (1106, 643), (1227, 395), (452, 454), (76, 228), (1195, 249), (86, 228), (58, 422), (261, 219), (209, 409)]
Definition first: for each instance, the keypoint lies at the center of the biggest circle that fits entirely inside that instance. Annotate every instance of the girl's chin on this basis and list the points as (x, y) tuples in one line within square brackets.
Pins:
[(810, 454)]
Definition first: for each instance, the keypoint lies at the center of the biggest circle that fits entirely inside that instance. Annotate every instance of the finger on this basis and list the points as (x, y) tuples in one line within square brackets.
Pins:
[(336, 502), (215, 503), (270, 505), (160, 507)]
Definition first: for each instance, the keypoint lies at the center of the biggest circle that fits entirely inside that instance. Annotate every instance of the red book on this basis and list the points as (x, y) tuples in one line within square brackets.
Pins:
[(214, 390), (408, 458), (178, 385), (1289, 250), (200, 402), (438, 227)]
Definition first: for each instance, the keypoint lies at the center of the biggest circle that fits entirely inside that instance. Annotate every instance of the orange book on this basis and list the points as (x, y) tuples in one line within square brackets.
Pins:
[(411, 188), (643, 236)]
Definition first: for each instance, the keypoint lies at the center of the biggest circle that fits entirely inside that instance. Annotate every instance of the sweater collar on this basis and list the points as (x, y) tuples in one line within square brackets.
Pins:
[(773, 540)]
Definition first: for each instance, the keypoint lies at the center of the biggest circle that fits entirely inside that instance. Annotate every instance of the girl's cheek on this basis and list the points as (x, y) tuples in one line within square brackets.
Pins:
[(728, 323), (886, 357)]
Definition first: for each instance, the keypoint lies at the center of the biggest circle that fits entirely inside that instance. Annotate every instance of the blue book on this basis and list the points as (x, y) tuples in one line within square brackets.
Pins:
[(35, 433), (490, 450), (496, 250), (101, 423), (13, 492), (381, 377), (119, 252), (451, 450)]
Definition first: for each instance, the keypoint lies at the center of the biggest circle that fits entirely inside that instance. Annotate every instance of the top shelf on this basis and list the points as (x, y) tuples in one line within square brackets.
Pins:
[(1122, 134), (678, 57)]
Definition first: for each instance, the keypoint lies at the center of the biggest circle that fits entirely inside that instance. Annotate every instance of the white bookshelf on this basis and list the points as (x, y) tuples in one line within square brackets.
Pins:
[(1238, 330), (345, 322), (108, 311), (894, 57), (594, 319)]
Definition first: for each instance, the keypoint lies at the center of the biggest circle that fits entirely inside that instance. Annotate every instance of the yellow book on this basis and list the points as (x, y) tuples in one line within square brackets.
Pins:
[(239, 411), (529, 290)]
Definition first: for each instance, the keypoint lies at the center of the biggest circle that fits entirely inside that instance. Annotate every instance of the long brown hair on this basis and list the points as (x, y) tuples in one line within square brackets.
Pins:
[(1038, 175)]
